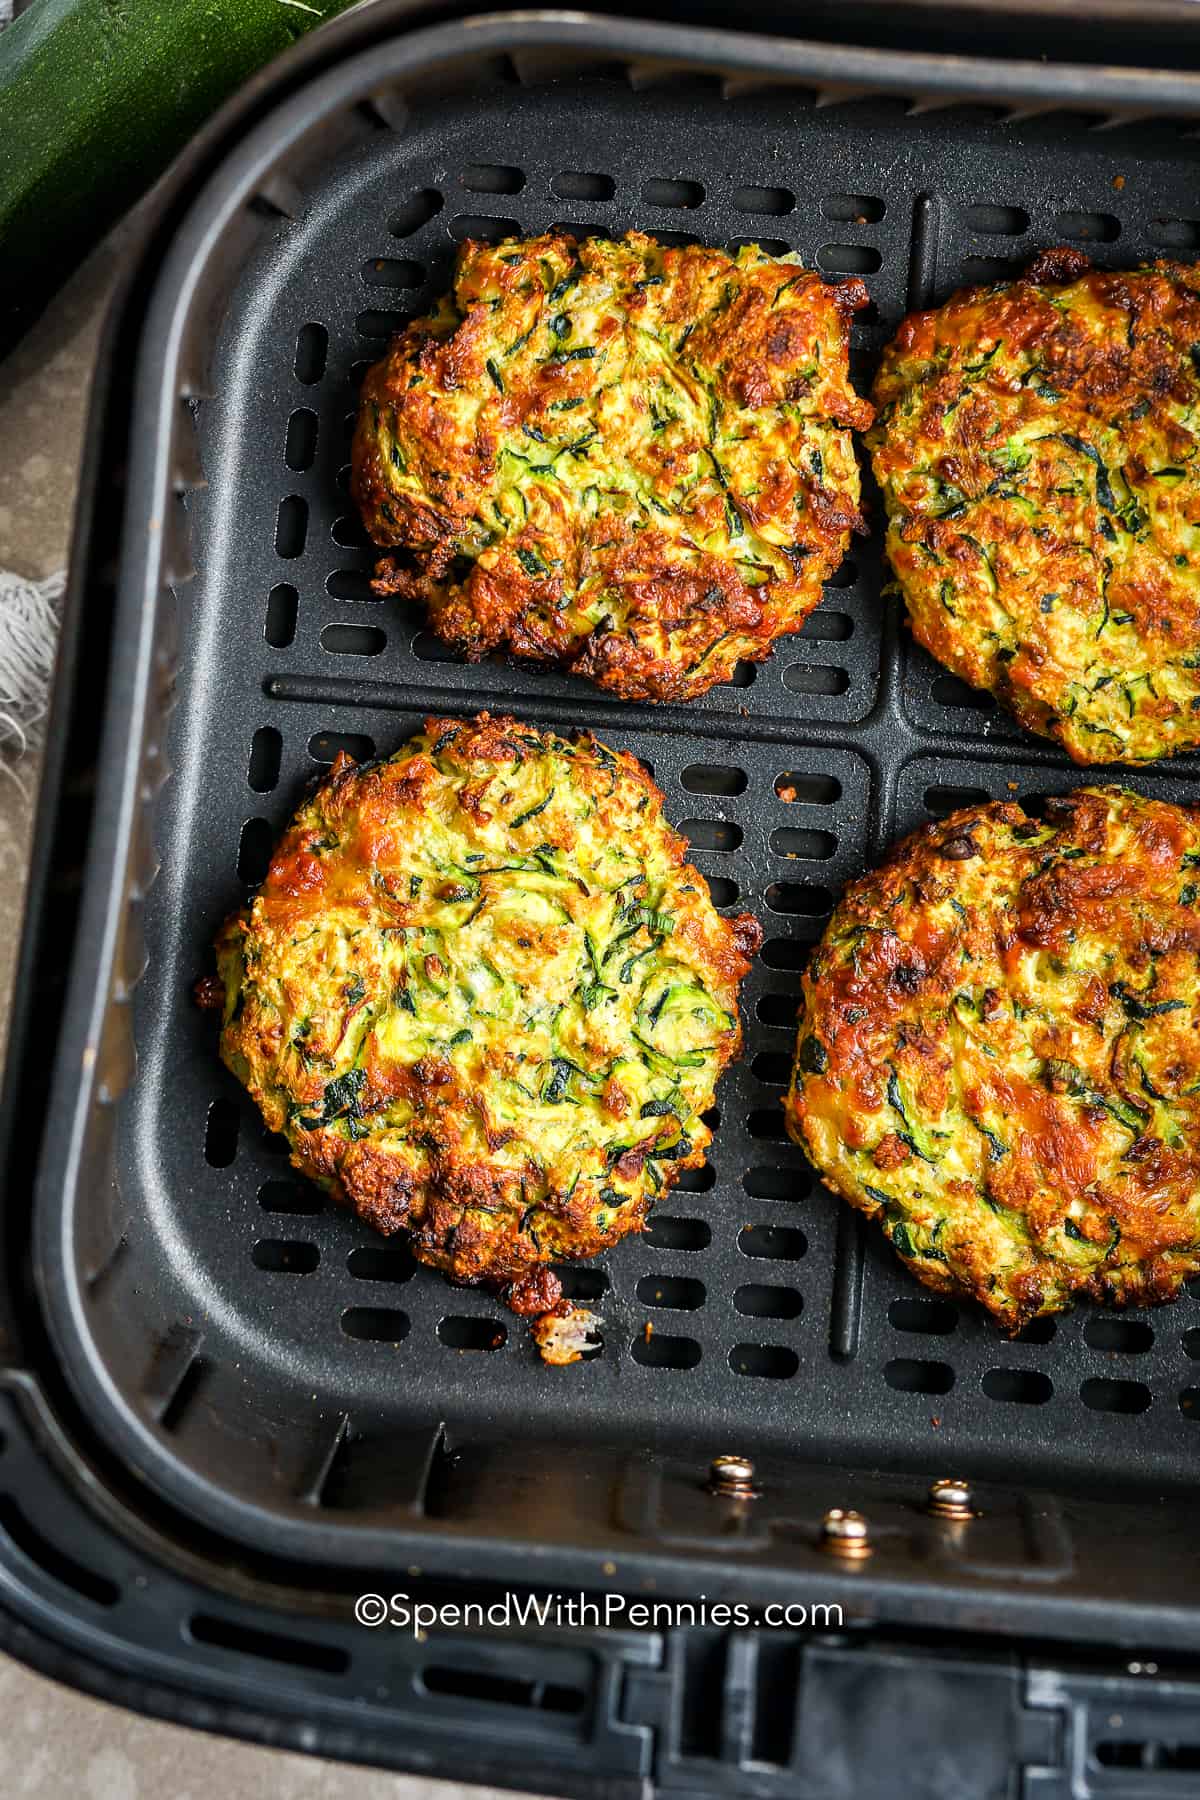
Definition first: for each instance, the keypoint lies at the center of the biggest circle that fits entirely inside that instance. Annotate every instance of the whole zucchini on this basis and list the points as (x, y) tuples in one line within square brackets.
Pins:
[(96, 97)]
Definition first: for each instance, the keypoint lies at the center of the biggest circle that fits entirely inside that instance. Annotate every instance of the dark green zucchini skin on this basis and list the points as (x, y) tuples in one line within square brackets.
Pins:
[(96, 97)]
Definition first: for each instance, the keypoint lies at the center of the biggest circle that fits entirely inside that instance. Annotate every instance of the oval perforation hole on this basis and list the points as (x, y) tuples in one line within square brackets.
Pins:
[(724, 891), (815, 678), (709, 778), (941, 801), (285, 1256), (743, 674), (769, 246), (221, 1134), (492, 178), (353, 640), (582, 1284), (807, 846), (844, 576), (326, 746), (667, 1233), (472, 1334), (1122, 1337), (376, 1324), (300, 445), (291, 1197), (675, 240), (1038, 1331), (911, 1375), (392, 272), (291, 526), (779, 1010), (350, 584), (772, 1243), (487, 231), (1191, 1343), (987, 269), (849, 259), (659, 191), (712, 834), (827, 627), (771, 1362), (578, 184), (678, 1293), (696, 1181), (661, 1351), (997, 221), (759, 1301), (767, 1122), (349, 533), (378, 1262), (854, 209), (579, 228), (379, 322), (765, 1182), (772, 1067), (312, 348), (1019, 1387), (774, 201), (1087, 227), (796, 789), (785, 953), (245, 1640), (254, 851), (266, 752), (279, 627), (805, 897), (929, 1318), (948, 690), (428, 647), (1102, 1395), (424, 205), (1175, 234)]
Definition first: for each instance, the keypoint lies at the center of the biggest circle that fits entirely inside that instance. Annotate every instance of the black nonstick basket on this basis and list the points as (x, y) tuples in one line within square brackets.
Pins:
[(227, 1407)]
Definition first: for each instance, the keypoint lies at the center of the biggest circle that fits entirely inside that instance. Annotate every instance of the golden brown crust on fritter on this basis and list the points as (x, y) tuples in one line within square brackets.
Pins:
[(999, 1052), (486, 998), (629, 460), (1037, 448)]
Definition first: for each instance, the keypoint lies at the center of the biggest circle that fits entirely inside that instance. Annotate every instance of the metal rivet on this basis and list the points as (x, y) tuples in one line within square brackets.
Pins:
[(951, 1499), (732, 1476), (845, 1533)]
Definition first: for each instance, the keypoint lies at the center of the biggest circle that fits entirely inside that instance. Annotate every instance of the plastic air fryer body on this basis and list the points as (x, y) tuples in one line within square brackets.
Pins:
[(225, 1408)]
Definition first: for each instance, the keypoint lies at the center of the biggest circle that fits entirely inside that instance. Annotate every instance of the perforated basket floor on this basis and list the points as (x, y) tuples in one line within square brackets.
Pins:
[(756, 1312)]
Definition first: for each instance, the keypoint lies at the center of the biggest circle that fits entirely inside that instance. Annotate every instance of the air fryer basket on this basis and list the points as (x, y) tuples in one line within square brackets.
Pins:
[(262, 1361)]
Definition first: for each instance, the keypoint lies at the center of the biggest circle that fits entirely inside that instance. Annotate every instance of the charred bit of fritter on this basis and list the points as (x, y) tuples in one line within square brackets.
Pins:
[(1037, 449), (629, 460), (999, 1052), (486, 998)]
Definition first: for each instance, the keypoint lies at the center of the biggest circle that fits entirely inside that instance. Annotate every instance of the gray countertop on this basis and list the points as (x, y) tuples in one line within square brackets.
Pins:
[(53, 1741)]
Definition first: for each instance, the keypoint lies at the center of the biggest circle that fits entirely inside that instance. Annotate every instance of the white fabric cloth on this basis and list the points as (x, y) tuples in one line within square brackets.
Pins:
[(29, 613)]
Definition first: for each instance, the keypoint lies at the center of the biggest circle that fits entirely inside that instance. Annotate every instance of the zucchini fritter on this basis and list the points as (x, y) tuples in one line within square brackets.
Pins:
[(1037, 449), (999, 1052), (630, 460), (486, 998)]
